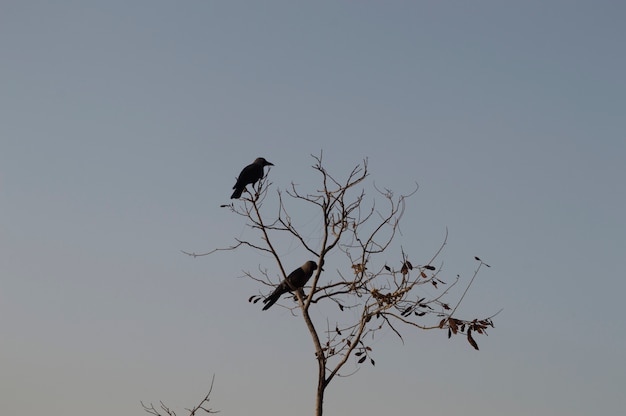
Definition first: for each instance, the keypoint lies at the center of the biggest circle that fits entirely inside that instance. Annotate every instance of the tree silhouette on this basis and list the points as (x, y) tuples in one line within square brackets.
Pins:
[(380, 291)]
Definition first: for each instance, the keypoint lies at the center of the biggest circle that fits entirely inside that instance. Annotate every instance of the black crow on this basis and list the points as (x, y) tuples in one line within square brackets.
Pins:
[(249, 175), (295, 280)]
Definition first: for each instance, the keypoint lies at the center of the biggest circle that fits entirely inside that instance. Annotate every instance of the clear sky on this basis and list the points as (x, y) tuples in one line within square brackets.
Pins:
[(124, 124)]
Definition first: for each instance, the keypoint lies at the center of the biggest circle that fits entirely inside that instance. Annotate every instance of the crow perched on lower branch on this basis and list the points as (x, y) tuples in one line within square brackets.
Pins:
[(295, 280)]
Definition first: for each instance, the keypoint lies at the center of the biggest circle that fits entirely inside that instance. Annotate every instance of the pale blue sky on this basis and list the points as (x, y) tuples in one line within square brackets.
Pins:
[(122, 128)]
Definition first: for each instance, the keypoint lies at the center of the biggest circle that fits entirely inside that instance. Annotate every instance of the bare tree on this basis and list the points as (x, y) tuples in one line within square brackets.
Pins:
[(382, 294)]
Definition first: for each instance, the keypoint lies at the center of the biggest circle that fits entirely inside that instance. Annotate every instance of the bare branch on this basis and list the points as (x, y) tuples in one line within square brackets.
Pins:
[(164, 410), (468, 286)]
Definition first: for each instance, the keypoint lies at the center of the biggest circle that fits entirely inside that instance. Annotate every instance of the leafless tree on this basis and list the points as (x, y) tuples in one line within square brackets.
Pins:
[(382, 294)]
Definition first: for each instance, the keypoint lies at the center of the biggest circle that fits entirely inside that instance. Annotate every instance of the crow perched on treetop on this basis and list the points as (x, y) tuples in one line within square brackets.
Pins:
[(295, 280), (249, 175)]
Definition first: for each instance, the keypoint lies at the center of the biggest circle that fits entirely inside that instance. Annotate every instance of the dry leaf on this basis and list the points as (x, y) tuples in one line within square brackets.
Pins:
[(453, 326), (471, 340)]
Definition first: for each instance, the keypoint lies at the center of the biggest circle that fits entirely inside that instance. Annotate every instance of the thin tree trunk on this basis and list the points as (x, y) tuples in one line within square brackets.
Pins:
[(319, 355), (321, 386)]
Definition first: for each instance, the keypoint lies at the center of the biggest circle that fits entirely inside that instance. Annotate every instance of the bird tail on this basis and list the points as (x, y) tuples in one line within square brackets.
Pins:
[(237, 193), (270, 300)]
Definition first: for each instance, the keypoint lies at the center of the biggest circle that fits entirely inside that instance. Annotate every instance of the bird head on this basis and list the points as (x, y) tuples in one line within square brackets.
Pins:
[(311, 265), (261, 161)]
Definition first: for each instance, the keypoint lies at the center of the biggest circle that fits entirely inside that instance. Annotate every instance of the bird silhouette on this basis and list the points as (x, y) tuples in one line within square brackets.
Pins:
[(295, 280), (249, 175)]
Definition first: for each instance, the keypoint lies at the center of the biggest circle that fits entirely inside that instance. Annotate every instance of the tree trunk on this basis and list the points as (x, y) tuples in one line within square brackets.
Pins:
[(321, 386), (319, 355)]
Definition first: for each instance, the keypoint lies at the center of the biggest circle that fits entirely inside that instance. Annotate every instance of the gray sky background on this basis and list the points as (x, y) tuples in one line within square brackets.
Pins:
[(124, 124)]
